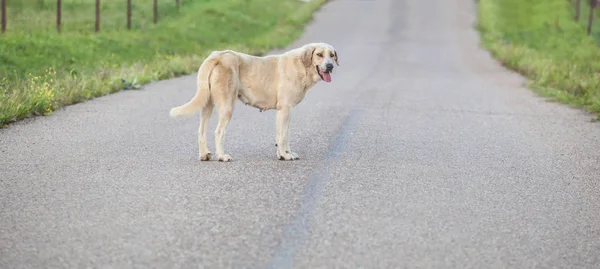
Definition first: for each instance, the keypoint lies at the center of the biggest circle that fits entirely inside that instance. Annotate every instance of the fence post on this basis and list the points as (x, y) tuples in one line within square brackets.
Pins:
[(128, 14), (177, 3), (97, 16), (155, 11), (3, 15), (577, 9), (58, 14), (591, 16)]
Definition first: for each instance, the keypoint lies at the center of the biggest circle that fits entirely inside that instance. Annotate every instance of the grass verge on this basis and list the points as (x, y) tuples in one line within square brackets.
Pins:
[(541, 40), (41, 70)]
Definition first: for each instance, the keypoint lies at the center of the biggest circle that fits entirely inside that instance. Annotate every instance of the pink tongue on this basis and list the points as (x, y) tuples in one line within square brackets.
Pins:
[(326, 76)]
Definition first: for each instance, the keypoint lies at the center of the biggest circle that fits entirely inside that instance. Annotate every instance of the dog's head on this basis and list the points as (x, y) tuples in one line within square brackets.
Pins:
[(319, 58)]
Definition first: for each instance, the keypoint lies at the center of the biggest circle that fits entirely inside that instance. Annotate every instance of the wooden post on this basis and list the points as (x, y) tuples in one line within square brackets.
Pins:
[(128, 14), (97, 16), (591, 16), (155, 11), (3, 15), (177, 3), (58, 14), (577, 9)]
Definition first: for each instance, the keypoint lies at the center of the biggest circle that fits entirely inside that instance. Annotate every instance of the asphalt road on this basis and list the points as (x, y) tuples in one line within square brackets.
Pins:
[(422, 153)]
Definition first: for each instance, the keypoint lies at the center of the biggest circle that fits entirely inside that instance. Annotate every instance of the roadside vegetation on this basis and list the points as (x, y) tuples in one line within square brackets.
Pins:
[(541, 40), (42, 70)]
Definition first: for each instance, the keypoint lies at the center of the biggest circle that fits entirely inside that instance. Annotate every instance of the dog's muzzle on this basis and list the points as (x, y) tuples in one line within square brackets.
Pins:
[(326, 73), (328, 68)]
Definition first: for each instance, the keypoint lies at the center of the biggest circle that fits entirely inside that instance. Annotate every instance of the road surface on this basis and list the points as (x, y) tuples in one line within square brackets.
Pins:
[(422, 153)]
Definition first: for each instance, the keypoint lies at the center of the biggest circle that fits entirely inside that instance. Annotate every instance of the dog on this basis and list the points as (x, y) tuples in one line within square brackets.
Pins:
[(278, 82)]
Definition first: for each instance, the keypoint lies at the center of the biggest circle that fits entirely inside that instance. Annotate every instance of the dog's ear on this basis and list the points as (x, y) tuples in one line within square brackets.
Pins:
[(307, 55), (335, 57)]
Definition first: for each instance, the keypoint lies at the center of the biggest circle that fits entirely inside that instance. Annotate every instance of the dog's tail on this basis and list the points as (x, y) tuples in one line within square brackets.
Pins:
[(202, 97)]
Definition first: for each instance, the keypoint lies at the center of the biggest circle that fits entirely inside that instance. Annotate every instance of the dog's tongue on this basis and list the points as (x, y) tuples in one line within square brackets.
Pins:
[(326, 76)]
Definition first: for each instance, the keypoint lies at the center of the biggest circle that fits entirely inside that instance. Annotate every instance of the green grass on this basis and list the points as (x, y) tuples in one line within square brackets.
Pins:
[(42, 70), (541, 40)]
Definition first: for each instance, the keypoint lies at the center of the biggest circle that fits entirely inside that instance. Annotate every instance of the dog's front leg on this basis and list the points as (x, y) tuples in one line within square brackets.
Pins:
[(287, 137), (283, 142)]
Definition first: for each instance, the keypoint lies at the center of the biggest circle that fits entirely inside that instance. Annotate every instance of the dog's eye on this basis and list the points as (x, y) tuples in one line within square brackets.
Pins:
[(320, 54), (331, 55)]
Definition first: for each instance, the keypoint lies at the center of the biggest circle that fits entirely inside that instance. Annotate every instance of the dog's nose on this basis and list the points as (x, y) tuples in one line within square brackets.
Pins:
[(329, 67)]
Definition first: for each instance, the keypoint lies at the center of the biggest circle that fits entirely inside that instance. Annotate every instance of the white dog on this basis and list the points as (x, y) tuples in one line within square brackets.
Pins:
[(271, 82)]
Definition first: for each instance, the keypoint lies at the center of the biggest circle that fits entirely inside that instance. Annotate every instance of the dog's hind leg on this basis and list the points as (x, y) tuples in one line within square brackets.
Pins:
[(224, 97), (225, 113), (205, 154)]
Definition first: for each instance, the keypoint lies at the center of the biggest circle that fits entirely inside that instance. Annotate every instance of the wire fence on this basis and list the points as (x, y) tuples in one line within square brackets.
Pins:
[(59, 13), (593, 5)]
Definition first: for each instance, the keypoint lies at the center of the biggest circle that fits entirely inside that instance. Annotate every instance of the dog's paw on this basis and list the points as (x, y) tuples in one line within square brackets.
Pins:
[(206, 157), (288, 156), (225, 158)]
